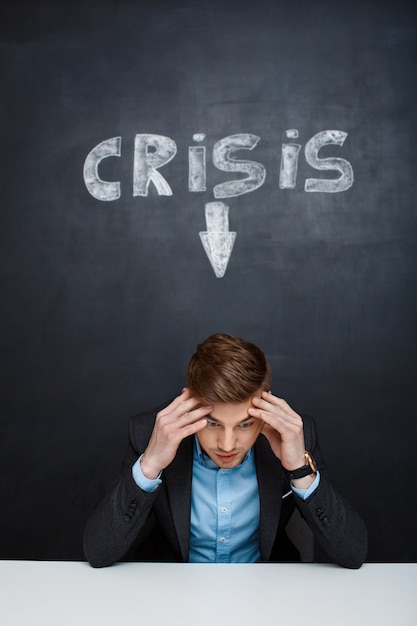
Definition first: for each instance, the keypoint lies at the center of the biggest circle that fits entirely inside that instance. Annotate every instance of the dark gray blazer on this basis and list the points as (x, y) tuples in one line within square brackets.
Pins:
[(131, 524)]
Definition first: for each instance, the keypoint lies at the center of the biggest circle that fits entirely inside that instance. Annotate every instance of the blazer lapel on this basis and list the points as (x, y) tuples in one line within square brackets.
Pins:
[(271, 483), (179, 492)]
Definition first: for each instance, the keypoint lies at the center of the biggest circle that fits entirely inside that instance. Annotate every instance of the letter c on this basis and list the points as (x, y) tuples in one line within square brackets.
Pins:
[(98, 188)]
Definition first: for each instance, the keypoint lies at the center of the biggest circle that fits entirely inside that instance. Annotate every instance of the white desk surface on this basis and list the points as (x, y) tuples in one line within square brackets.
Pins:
[(151, 594)]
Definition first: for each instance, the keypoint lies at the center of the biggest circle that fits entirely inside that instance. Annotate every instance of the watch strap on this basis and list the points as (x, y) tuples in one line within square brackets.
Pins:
[(305, 470)]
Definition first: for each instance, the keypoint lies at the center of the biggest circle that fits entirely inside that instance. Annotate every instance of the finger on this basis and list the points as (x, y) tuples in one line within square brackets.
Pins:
[(268, 431), (196, 414), (269, 397), (278, 419), (276, 407), (176, 402), (180, 405), (194, 427), (262, 408)]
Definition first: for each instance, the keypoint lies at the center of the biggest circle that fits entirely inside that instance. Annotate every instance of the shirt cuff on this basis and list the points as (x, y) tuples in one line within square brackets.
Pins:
[(305, 493), (146, 484)]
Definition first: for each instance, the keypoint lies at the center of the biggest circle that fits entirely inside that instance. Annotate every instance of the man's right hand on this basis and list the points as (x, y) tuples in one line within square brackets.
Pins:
[(183, 417)]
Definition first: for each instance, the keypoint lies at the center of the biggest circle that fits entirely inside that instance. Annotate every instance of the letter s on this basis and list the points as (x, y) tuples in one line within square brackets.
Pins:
[(312, 148), (221, 158)]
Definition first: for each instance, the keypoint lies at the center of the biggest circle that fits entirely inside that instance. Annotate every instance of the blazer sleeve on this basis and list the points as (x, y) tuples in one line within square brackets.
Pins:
[(115, 524), (337, 528)]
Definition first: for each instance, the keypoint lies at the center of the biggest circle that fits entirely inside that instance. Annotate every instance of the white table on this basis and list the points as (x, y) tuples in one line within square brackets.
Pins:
[(152, 594)]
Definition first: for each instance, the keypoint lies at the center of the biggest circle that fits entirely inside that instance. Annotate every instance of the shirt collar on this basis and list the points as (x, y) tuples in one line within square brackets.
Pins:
[(205, 460)]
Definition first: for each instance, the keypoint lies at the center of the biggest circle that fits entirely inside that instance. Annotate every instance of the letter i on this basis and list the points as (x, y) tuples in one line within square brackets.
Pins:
[(197, 165), (289, 161)]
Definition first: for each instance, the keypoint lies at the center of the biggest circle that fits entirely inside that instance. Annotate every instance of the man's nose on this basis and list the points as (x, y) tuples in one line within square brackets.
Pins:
[(227, 440)]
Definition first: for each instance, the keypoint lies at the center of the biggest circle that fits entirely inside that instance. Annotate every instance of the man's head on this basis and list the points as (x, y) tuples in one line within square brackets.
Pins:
[(227, 369), (227, 372)]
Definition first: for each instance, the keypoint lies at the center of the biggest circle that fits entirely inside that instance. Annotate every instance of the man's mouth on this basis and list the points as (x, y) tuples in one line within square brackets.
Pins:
[(226, 458)]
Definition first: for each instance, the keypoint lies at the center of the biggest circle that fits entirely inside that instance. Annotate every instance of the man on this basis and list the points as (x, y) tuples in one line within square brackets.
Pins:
[(227, 472)]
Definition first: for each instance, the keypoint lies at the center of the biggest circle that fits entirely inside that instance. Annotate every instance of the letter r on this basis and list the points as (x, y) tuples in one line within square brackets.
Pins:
[(151, 152)]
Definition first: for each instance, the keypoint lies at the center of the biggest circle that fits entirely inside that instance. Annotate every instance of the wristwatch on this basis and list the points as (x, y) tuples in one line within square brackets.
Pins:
[(309, 468)]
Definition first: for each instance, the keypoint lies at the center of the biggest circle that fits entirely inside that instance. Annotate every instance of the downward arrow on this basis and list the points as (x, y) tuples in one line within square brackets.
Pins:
[(217, 240)]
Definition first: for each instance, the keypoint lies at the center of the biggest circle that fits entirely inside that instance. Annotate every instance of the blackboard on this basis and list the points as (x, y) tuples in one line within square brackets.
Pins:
[(137, 137)]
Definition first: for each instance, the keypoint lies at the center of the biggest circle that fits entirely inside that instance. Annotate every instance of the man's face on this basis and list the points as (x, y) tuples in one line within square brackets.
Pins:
[(230, 433)]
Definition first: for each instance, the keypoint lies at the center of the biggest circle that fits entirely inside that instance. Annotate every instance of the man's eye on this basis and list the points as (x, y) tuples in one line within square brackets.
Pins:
[(246, 425), (211, 424)]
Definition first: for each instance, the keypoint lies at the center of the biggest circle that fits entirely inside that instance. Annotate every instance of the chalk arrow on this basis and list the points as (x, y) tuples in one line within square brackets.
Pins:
[(217, 240)]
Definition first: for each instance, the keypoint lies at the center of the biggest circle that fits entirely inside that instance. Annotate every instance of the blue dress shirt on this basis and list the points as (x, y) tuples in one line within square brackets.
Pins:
[(225, 511)]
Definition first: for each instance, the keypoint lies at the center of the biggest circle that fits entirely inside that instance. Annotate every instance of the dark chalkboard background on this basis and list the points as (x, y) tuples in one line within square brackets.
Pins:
[(104, 302)]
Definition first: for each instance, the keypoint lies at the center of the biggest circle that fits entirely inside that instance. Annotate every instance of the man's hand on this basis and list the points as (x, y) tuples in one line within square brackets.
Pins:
[(183, 417), (283, 428)]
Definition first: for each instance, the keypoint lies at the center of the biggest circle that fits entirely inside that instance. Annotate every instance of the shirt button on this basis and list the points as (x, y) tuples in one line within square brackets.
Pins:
[(222, 540), (224, 510), (224, 471)]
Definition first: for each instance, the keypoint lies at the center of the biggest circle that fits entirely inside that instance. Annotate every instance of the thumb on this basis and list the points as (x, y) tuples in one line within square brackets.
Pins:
[(269, 432)]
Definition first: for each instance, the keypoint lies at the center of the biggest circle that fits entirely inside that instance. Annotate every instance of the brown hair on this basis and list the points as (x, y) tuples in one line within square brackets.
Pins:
[(227, 369)]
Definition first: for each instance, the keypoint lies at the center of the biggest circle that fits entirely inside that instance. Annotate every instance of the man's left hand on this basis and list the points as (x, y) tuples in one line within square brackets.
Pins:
[(283, 428)]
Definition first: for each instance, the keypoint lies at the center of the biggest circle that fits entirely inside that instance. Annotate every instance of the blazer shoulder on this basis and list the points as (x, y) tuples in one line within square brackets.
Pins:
[(141, 426)]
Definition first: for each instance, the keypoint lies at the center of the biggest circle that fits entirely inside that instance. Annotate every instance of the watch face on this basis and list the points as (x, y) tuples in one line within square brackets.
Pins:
[(310, 461)]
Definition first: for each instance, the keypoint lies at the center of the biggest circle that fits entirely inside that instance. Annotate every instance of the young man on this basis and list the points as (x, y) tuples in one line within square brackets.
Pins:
[(227, 472)]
